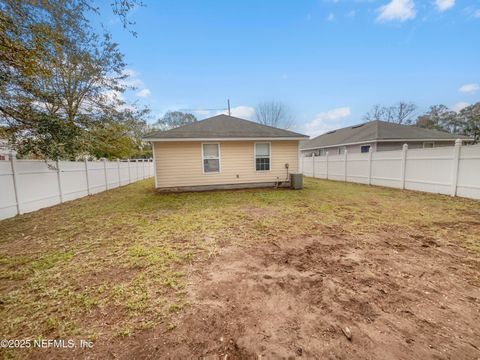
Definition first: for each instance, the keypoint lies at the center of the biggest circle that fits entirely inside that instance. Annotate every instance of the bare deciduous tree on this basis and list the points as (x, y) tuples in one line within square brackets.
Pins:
[(377, 112), (401, 113), (274, 113), (405, 112)]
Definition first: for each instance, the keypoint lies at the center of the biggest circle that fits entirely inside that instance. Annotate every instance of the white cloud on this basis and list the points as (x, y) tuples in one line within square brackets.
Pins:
[(476, 13), (143, 93), (116, 98), (351, 13), (244, 112), (331, 17), (133, 79), (397, 10), (443, 5), (326, 121), (459, 106), (469, 88)]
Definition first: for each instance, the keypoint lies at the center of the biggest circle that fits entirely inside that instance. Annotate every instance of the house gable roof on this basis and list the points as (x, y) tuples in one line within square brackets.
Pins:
[(224, 127), (376, 131)]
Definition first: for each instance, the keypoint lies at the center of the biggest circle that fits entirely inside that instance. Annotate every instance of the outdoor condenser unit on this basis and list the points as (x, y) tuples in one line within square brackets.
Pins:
[(296, 181)]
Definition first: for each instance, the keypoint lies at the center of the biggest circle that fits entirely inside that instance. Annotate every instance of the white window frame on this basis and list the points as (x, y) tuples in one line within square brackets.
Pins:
[(219, 159), (341, 147), (255, 155), (428, 142)]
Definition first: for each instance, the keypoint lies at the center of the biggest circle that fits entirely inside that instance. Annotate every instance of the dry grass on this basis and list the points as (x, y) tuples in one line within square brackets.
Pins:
[(115, 263)]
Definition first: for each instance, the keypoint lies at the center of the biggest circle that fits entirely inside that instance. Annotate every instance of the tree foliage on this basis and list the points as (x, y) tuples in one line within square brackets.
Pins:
[(465, 122), (59, 77), (174, 119), (274, 113), (119, 136), (470, 117)]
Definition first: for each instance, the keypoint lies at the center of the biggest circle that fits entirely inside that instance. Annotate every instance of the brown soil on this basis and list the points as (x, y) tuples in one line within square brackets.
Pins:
[(401, 296)]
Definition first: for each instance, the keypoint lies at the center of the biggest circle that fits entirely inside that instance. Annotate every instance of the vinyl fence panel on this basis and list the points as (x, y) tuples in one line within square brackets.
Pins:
[(444, 170), (29, 185), (386, 168), (8, 203), (358, 168), (37, 185), (468, 184), (73, 179)]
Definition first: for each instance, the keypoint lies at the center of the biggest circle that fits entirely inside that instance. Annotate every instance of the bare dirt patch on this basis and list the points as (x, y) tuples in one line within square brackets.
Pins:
[(400, 296), (276, 273)]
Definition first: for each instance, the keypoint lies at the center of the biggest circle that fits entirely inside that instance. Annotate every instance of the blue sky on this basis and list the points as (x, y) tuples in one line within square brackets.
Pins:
[(328, 60)]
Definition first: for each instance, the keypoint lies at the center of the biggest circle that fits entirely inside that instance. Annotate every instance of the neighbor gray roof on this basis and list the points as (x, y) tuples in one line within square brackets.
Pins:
[(224, 126), (376, 130)]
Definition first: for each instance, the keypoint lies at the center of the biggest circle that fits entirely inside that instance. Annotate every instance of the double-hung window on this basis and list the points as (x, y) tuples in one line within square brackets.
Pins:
[(262, 156), (211, 158)]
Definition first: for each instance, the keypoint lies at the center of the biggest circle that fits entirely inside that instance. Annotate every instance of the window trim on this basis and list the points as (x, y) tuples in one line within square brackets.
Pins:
[(255, 155), (428, 142), (219, 159), (341, 147)]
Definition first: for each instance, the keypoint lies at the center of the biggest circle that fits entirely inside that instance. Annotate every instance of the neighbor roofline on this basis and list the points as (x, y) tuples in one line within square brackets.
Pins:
[(228, 138), (381, 140)]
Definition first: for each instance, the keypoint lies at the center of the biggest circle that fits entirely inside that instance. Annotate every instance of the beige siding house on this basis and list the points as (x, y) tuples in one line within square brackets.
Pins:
[(224, 152)]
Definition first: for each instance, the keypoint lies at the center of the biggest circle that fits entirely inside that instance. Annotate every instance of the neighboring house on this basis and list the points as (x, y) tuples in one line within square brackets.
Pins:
[(224, 152), (377, 136)]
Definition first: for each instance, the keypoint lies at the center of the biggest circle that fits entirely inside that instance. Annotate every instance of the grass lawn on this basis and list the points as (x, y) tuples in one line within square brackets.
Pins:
[(113, 265)]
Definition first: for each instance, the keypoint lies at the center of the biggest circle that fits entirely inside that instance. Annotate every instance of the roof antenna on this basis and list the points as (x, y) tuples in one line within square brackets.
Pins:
[(228, 101)]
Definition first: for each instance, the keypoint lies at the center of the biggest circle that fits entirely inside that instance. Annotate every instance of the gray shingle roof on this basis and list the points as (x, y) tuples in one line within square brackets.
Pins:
[(376, 130), (224, 126)]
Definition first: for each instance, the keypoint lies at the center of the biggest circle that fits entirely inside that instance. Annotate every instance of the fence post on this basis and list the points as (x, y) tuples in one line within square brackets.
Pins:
[(345, 164), (128, 166), (86, 174), (136, 166), (370, 166), (15, 183), (326, 160), (404, 166), (59, 180), (313, 164), (456, 162), (119, 177), (105, 171)]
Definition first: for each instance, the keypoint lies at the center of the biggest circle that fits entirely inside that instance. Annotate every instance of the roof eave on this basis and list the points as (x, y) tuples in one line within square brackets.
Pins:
[(382, 140), (265, 138)]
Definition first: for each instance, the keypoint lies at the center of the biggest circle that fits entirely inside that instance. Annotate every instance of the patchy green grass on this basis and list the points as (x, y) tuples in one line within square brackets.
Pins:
[(116, 263)]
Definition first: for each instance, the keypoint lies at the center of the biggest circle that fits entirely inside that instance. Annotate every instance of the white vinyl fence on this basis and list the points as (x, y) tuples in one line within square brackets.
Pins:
[(452, 170), (29, 185)]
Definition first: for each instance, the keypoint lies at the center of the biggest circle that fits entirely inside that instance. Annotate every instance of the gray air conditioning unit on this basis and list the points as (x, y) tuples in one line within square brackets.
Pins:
[(296, 181)]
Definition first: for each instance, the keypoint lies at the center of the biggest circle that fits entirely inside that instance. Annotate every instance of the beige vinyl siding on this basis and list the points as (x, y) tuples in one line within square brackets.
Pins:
[(180, 163)]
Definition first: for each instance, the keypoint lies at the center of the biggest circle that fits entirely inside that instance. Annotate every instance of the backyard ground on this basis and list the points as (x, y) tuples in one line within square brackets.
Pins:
[(246, 274)]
